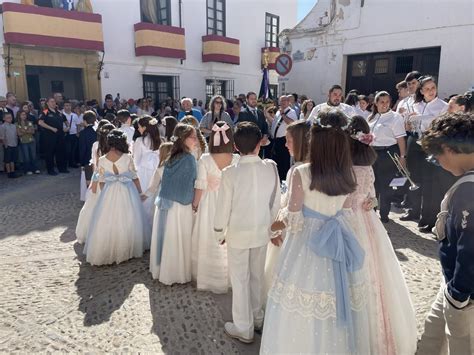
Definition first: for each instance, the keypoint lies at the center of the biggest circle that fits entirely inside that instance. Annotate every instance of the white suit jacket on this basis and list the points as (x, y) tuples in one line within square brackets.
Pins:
[(248, 202)]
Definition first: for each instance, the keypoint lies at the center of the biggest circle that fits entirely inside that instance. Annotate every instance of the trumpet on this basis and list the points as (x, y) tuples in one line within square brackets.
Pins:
[(405, 173)]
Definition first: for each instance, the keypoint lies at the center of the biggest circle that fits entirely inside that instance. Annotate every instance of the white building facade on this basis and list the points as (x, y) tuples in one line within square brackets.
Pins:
[(370, 45), (139, 48)]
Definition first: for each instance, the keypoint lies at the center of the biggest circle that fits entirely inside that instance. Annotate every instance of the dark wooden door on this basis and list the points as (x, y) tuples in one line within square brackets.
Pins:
[(34, 91), (373, 72)]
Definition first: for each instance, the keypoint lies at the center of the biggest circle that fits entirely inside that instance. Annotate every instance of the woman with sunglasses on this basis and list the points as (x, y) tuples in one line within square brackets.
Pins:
[(217, 112)]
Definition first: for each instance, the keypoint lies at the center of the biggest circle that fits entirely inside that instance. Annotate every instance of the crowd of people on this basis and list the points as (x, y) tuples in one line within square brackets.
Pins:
[(278, 202)]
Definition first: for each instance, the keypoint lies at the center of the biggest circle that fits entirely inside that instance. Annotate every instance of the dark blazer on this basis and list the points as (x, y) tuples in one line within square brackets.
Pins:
[(87, 137), (261, 122), (457, 249)]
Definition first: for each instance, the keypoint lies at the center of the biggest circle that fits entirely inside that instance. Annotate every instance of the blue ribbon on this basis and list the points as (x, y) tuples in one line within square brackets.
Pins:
[(334, 241), (124, 178), (163, 205)]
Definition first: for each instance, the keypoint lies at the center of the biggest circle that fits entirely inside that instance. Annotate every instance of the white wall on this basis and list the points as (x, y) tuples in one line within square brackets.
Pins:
[(379, 26), (245, 20)]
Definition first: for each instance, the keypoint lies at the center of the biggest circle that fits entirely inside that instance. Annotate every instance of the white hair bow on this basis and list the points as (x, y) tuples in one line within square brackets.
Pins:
[(217, 136)]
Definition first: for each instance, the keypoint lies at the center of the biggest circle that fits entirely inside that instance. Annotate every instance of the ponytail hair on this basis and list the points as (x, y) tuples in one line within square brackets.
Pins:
[(422, 80), (466, 100), (376, 99)]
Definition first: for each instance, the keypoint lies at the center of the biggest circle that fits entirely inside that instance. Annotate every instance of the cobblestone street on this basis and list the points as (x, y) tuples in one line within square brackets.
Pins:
[(51, 300)]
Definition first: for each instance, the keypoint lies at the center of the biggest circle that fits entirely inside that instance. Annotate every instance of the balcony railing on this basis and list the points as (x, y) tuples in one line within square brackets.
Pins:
[(159, 41), (220, 49), (48, 27)]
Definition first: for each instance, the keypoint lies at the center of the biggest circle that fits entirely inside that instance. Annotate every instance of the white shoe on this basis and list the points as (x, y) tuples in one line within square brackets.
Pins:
[(258, 326), (37, 172), (231, 331), (29, 173)]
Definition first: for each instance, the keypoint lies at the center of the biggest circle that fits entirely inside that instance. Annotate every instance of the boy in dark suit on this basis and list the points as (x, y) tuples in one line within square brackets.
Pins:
[(87, 137), (449, 327)]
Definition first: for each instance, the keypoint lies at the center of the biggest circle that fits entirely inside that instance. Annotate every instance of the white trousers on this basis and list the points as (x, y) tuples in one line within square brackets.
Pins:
[(246, 269), (447, 330)]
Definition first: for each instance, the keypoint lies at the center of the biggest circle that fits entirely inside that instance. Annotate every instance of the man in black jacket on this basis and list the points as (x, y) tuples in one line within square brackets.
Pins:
[(252, 114)]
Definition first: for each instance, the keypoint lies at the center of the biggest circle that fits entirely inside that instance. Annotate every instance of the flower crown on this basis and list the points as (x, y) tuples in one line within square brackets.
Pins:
[(153, 121), (366, 138), (318, 122), (174, 139)]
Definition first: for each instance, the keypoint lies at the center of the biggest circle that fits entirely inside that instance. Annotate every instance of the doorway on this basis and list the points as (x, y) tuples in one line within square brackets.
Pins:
[(43, 81)]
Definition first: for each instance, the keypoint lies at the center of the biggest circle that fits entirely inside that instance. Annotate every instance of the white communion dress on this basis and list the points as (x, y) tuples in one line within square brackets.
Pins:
[(117, 227)]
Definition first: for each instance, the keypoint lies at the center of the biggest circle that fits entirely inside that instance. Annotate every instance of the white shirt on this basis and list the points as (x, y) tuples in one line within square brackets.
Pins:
[(281, 132), (129, 131), (387, 127), (427, 112), (407, 104), (245, 212), (364, 113), (313, 116), (73, 120)]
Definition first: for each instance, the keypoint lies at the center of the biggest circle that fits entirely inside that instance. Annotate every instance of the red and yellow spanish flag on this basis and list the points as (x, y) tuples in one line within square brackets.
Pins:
[(220, 49), (42, 26), (159, 41)]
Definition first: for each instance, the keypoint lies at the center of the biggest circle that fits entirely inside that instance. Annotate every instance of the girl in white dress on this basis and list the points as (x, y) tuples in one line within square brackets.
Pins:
[(99, 148), (170, 257), (147, 158), (317, 302), (391, 313), (297, 136), (152, 194), (210, 258), (117, 227)]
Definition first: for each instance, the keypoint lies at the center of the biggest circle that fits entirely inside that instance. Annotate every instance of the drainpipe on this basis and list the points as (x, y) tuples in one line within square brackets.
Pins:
[(181, 18)]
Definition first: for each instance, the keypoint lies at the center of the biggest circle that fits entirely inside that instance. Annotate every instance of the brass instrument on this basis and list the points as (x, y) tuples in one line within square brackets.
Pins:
[(405, 173)]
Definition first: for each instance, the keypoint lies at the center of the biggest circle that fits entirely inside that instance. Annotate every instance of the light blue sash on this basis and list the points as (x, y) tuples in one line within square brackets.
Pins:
[(334, 241), (124, 178), (163, 205)]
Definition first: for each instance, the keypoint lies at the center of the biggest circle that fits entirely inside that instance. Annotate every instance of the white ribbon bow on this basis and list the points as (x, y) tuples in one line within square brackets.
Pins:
[(217, 136)]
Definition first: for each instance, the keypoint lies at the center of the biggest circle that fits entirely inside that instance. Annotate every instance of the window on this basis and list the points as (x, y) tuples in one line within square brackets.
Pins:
[(404, 64), (159, 88), (272, 28), (219, 87), (216, 17), (156, 11), (359, 68), (381, 66), (273, 90)]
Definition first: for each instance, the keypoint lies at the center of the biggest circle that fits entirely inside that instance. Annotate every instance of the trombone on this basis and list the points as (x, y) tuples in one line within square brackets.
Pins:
[(405, 173)]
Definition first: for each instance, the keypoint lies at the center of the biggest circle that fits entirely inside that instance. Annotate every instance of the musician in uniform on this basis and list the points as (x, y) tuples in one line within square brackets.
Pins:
[(389, 131)]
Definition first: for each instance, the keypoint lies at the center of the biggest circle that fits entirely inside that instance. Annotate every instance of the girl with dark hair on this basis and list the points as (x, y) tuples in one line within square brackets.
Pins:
[(297, 137), (306, 109), (461, 103), (99, 148), (170, 257), (210, 259), (107, 242), (217, 112), (146, 158), (389, 131), (170, 123), (352, 99), (433, 180), (363, 107), (317, 231), (390, 309)]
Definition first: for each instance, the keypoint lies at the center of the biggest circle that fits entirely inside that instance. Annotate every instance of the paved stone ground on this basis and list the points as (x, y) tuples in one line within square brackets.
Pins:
[(51, 300)]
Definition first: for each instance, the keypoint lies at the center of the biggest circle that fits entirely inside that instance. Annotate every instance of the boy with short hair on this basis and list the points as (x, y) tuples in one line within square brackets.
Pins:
[(450, 322), (125, 120), (9, 140), (87, 137), (248, 202)]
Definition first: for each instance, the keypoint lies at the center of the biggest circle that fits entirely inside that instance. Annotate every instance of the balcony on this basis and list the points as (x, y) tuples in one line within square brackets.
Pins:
[(48, 27), (159, 41), (220, 49), (273, 53)]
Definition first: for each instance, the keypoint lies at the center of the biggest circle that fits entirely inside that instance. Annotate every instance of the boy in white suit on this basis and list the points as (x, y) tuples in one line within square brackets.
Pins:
[(248, 202)]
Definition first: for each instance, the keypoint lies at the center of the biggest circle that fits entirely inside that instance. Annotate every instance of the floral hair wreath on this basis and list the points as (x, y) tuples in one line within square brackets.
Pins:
[(366, 138), (174, 139), (153, 121), (318, 122)]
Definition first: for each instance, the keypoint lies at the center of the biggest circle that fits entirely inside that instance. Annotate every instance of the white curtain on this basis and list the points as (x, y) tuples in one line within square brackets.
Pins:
[(149, 10)]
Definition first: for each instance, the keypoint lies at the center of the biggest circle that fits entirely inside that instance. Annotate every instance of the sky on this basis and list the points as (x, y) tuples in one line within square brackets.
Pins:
[(303, 7)]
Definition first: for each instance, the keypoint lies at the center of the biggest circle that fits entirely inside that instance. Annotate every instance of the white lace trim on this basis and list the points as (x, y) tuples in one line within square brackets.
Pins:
[(320, 305), (294, 221), (200, 184)]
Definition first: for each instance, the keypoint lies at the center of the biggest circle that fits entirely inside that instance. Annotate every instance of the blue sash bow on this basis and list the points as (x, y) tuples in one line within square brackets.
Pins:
[(334, 241), (123, 178)]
